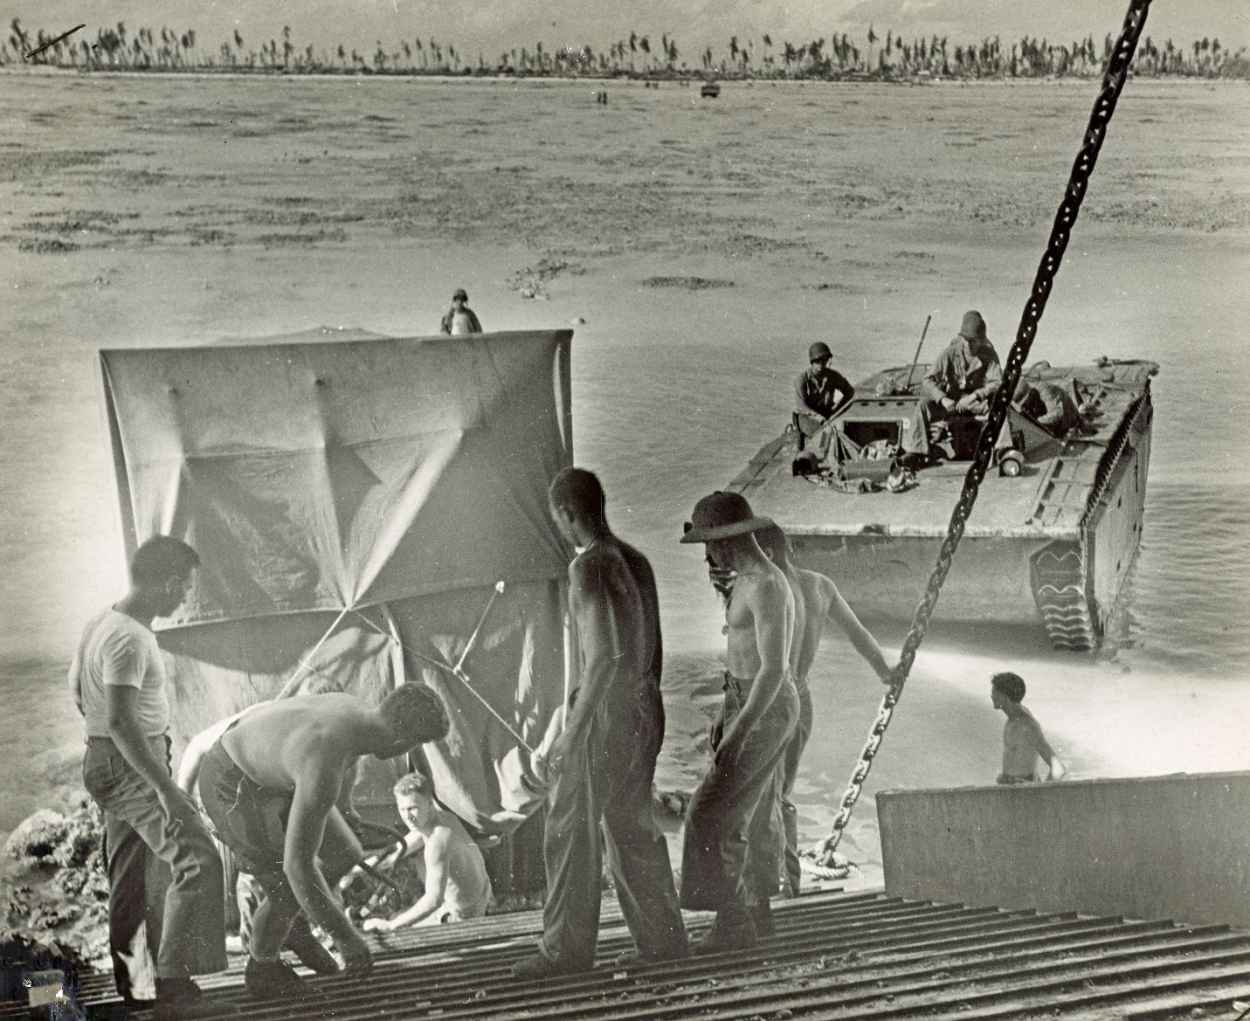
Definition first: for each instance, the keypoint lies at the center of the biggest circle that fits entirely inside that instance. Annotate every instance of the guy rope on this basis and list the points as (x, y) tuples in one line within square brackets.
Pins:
[(1114, 77)]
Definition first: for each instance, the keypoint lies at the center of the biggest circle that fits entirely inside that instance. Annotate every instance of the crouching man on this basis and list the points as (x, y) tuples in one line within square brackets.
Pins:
[(453, 870), (270, 783)]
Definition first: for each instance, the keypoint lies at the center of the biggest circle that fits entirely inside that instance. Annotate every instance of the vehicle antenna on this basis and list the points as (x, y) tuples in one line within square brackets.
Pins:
[(927, 319)]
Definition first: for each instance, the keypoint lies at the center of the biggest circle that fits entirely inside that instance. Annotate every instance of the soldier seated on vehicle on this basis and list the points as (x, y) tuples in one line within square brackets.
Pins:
[(958, 387), (820, 392)]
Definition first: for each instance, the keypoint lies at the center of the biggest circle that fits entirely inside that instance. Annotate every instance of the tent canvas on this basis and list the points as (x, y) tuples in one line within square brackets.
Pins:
[(354, 501)]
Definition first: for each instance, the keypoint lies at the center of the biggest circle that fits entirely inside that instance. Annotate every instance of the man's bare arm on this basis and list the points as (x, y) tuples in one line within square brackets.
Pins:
[(599, 635), (768, 600), (865, 644), (315, 793), (436, 855), (1043, 748)]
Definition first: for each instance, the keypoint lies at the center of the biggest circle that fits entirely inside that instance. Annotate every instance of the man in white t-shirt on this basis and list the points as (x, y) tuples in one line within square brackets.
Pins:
[(119, 684)]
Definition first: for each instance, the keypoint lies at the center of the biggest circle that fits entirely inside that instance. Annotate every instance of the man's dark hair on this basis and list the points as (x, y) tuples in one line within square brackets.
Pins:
[(773, 541), (577, 490), (416, 713), (1011, 685), (161, 559)]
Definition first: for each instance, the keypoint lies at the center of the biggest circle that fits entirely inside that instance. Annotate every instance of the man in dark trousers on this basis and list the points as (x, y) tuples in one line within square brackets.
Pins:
[(271, 784), (733, 837), (119, 684), (604, 761), (819, 392)]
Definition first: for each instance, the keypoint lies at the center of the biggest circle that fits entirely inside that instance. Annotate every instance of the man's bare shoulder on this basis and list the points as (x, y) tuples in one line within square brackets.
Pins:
[(763, 587), (817, 586), (596, 567)]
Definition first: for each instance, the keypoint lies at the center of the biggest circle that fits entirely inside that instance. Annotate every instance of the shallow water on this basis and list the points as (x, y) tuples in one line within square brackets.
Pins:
[(201, 208)]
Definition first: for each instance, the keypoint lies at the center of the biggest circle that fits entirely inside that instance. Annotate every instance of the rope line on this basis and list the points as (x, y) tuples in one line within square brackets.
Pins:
[(1114, 77)]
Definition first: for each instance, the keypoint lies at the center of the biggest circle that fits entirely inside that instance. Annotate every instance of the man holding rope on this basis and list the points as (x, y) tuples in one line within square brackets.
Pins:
[(604, 761)]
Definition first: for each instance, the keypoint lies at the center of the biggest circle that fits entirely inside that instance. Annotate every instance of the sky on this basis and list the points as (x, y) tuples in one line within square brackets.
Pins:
[(491, 28)]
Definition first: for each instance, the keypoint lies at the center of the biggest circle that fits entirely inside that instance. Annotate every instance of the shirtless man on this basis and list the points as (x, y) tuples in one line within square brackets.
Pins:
[(818, 601), (269, 784), (300, 939), (1024, 744), (604, 761), (732, 837), (456, 884)]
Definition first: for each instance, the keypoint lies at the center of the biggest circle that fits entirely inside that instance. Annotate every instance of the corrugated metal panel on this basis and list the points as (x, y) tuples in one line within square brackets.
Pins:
[(832, 956)]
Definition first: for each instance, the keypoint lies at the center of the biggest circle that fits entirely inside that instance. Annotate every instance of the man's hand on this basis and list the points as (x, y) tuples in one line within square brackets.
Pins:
[(969, 403), (556, 753), (178, 805), (889, 676), (948, 404), (378, 925)]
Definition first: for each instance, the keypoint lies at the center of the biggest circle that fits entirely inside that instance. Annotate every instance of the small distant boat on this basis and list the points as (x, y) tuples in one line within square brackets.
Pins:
[(710, 90)]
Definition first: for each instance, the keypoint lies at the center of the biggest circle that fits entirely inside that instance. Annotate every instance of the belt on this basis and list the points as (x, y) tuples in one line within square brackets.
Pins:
[(96, 739)]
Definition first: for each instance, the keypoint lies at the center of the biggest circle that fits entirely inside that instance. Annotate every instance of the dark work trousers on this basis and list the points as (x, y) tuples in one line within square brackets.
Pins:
[(733, 839), (192, 939), (607, 780), (791, 872)]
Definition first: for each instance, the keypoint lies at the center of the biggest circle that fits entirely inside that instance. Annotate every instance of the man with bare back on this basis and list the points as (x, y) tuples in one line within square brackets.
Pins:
[(604, 761), (732, 840), (819, 602), (270, 783)]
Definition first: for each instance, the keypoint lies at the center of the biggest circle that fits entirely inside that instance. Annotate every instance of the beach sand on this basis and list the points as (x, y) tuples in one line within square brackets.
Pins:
[(696, 248)]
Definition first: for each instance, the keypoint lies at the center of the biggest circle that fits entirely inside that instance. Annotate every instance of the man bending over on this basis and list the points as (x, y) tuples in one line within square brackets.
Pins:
[(270, 784)]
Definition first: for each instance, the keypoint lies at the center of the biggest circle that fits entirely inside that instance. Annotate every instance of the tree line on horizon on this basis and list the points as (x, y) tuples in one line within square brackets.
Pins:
[(833, 58)]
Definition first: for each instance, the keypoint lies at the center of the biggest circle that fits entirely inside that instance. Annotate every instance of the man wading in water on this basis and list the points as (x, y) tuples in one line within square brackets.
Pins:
[(733, 827)]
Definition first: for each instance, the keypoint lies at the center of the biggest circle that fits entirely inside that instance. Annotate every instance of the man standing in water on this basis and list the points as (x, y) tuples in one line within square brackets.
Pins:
[(1025, 747), (118, 682), (732, 840), (270, 785), (818, 601), (604, 761)]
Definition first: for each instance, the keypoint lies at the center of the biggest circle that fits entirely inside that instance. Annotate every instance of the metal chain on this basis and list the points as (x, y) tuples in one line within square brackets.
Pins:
[(1113, 80)]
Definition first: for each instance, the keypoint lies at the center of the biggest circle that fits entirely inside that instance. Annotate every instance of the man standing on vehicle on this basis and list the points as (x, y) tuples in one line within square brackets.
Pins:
[(119, 683)]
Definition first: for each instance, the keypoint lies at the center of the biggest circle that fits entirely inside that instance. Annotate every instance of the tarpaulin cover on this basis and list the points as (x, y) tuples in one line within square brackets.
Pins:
[(374, 488)]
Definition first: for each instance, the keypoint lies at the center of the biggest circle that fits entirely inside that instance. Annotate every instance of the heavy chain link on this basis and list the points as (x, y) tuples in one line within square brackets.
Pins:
[(1113, 80)]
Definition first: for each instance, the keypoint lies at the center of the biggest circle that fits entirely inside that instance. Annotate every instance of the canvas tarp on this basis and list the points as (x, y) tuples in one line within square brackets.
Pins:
[(373, 490)]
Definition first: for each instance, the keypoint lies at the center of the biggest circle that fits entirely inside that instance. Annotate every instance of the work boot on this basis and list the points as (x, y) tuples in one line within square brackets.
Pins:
[(733, 930), (275, 980), (312, 954), (637, 959), (180, 998), (538, 966)]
